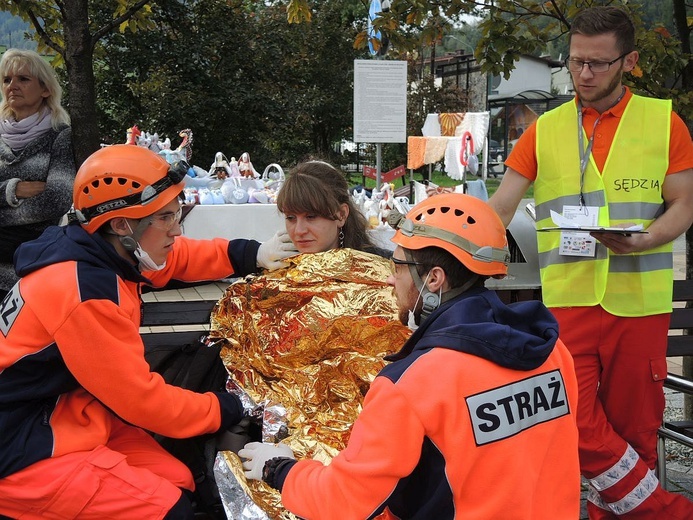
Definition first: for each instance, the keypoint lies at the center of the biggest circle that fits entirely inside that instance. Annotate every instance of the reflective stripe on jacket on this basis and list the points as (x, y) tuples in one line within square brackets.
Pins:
[(629, 190)]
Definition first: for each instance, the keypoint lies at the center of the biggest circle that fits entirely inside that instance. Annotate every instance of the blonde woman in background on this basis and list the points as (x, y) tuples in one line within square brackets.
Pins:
[(37, 167)]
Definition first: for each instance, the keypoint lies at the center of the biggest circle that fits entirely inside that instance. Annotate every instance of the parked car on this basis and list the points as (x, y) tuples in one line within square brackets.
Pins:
[(495, 151), (495, 158)]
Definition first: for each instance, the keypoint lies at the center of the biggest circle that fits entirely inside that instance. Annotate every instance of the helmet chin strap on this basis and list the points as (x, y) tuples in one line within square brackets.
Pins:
[(131, 242), (431, 300)]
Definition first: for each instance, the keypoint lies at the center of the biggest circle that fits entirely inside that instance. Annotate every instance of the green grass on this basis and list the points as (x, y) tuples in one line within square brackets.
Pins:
[(442, 179)]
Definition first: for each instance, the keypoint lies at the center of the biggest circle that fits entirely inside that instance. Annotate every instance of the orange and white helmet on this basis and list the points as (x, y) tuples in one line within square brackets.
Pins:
[(463, 225), (124, 181)]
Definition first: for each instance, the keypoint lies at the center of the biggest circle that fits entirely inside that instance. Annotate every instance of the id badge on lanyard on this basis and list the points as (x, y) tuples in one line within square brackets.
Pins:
[(579, 243), (575, 243)]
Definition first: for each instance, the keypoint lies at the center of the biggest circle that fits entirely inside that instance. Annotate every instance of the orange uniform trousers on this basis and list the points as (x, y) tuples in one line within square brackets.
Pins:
[(131, 477), (620, 365)]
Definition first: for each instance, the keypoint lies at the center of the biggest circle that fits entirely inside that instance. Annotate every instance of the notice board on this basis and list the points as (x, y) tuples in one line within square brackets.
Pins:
[(380, 101)]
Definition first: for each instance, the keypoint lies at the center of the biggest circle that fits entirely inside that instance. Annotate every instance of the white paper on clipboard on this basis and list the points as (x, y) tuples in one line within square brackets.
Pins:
[(597, 229), (564, 224)]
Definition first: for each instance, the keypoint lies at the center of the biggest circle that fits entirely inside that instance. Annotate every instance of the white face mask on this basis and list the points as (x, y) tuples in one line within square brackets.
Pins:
[(411, 322), (144, 261)]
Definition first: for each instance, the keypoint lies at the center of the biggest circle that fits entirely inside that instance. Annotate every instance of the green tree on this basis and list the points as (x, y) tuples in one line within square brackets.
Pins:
[(511, 28), (181, 73), (310, 79), (236, 73)]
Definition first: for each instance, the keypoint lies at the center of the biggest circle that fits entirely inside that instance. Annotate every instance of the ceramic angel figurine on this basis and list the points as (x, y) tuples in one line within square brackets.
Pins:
[(233, 166), (220, 168), (171, 156), (246, 167), (386, 203), (144, 140), (154, 144)]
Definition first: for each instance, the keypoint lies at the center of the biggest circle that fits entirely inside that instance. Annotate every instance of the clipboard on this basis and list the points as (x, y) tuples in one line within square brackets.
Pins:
[(598, 229)]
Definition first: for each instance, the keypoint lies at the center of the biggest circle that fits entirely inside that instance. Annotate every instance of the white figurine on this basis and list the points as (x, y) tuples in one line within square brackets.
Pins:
[(246, 167)]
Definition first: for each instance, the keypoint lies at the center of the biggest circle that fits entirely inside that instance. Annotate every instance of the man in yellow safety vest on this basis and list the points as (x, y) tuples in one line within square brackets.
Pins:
[(610, 158)]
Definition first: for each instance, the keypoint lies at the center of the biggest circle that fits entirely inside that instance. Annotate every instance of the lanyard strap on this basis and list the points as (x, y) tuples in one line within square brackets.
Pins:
[(586, 152)]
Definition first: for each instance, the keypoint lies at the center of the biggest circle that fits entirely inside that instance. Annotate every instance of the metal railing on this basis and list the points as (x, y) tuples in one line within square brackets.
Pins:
[(678, 384)]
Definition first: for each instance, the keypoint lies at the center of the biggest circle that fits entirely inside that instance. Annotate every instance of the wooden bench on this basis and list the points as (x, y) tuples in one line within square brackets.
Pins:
[(681, 344), (197, 312), (175, 314), (183, 314)]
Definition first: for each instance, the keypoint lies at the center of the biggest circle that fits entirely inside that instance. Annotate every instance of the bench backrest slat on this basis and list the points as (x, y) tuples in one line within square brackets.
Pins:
[(681, 344), (683, 290), (681, 319), (175, 313), (193, 312), (169, 339)]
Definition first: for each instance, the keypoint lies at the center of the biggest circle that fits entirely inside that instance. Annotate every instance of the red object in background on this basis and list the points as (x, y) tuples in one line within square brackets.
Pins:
[(370, 172), (467, 148)]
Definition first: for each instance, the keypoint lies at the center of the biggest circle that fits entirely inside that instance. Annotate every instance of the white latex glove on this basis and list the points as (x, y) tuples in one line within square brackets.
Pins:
[(257, 453), (271, 253)]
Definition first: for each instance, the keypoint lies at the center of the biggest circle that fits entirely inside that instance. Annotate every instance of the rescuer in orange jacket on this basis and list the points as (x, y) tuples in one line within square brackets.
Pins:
[(76, 394), (475, 416)]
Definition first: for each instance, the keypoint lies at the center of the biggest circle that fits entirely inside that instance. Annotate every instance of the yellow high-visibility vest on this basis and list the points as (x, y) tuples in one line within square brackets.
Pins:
[(629, 189)]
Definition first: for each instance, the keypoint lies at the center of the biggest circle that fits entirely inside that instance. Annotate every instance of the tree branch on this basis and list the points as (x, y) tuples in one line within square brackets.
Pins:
[(117, 21), (559, 14), (45, 38)]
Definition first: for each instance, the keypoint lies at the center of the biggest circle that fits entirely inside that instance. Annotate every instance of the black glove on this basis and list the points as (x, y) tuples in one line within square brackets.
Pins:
[(231, 410)]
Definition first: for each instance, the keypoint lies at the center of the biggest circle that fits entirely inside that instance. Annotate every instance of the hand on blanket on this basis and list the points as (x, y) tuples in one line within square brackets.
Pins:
[(255, 454), (271, 253)]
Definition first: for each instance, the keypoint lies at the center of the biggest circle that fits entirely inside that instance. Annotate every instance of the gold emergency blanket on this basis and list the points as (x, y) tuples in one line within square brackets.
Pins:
[(311, 338)]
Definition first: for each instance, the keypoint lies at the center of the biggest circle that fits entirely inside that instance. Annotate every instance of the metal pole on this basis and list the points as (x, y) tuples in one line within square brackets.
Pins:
[(378, 154)]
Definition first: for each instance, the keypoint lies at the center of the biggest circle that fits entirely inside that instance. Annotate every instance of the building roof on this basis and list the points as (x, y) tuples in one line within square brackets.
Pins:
[(521, 96)]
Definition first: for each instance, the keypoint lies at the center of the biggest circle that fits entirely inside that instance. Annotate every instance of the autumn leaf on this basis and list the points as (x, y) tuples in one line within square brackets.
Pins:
[(361, 40), (298, 11), (662, 31)]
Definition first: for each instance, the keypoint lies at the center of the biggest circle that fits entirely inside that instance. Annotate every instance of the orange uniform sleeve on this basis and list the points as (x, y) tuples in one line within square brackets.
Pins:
[(194, 261), (385, 446), (103, 350), (680, 146), (523, 157)]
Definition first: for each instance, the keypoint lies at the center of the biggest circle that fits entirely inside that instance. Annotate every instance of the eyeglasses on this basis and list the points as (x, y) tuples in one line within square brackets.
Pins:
[(394, 262), (166, 221), (595, 66)]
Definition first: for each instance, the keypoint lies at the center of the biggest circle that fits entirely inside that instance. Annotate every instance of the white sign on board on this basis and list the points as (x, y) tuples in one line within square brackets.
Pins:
[(380, 101)]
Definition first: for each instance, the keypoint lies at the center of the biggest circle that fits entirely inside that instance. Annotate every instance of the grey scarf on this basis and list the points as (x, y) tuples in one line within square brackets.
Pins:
[(18, 134)]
